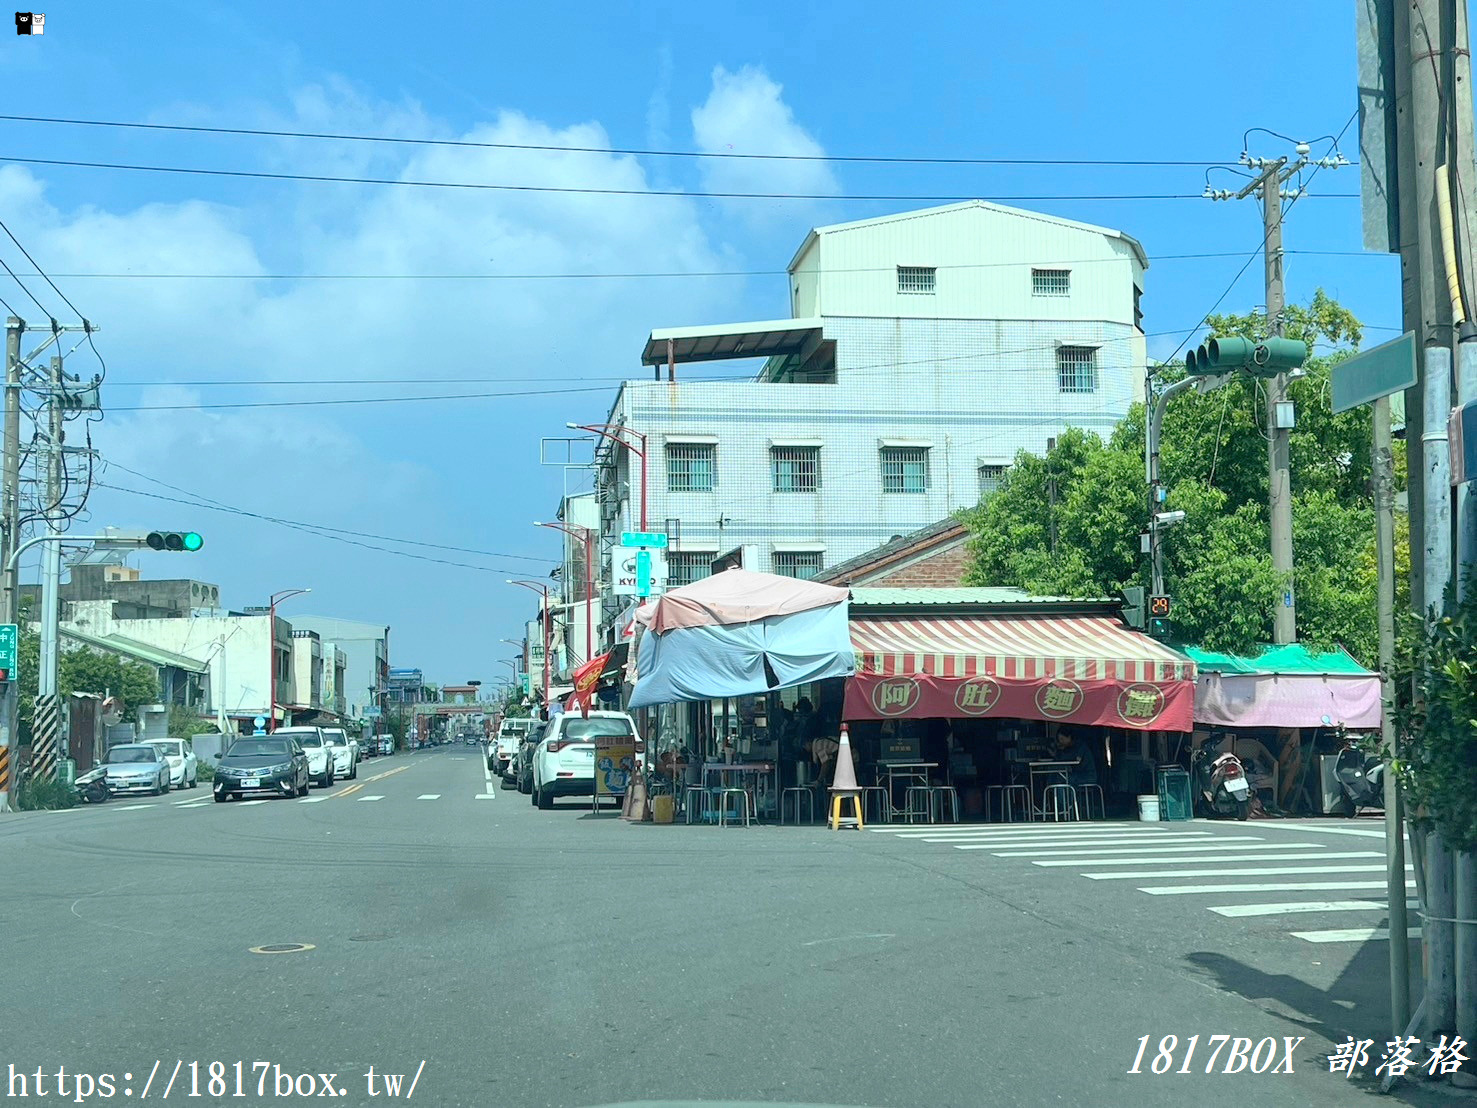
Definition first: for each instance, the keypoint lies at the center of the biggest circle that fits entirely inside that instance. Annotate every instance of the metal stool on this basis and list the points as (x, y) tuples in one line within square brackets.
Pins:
[(884, 802), (724, 811), (936, 799), (801, 792), (1089, 792), (1008, 796), (1059, 803), (701, 807), (924, 794)]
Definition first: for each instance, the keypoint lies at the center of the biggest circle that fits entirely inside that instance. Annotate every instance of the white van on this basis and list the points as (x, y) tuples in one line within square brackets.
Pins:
[(509, 735)]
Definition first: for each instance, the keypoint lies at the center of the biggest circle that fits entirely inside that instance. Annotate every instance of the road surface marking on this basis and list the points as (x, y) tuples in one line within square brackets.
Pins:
[(1208, 860), (193, 804), (1006, 831), (1250, 871), (1362, 832), (135, 807), (348, 791), (249, 803), (1005, 843), (1242, 911), (1353, 935), (387, 773), (1237, 842), (485, 796), (182, 803), (970, 844), (362, 799), (312, 799), (1289, 886), (429, 796)]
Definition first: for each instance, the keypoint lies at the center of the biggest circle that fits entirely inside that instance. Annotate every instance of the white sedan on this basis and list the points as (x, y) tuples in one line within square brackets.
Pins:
[(345, 752), (184, 767)]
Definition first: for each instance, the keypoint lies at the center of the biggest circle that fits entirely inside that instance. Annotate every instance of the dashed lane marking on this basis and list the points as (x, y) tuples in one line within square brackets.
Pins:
[(135, 807), (362, 799), (1289, 886), (1353, 935), (311, 799), (1209, 859), (429, 796), (1243, 911), (1250, 871)]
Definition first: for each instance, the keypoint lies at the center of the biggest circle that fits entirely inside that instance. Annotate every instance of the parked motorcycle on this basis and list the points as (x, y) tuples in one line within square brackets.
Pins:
[(1221, 785), (92, 786), (1361, 776)]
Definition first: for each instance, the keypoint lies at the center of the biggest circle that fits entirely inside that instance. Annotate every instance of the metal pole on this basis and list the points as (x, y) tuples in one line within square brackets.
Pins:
[(1384, 522), (46, 725), (544, 619), (272, 665), (1284, 616), (9, 501), (589, 595), (1465, 865), (643, 482), (1154, 428)]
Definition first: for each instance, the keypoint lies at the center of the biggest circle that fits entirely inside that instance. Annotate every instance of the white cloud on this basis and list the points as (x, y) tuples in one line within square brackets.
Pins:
[(456, 473), (745, 113)]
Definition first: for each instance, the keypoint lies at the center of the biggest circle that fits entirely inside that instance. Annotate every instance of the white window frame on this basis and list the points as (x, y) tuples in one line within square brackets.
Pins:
[(797, 455), (917, 280), (1051, 282), (810, 555), (673, 451), (895, 453), (677, 557), (998, 475)]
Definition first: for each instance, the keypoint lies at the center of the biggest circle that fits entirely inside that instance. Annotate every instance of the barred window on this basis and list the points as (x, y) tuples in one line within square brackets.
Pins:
[(1051, 282), (804, 564), (690, 466), (686, 566), (990, 477), (905, 469), (916, 278), (795, 468), (1076, 368)]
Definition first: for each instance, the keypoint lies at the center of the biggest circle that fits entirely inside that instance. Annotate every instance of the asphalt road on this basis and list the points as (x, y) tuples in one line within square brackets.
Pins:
[(515, 958)]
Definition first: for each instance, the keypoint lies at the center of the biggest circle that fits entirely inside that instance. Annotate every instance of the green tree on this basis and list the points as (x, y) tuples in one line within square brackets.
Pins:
[(1069, 523), (184, 723)]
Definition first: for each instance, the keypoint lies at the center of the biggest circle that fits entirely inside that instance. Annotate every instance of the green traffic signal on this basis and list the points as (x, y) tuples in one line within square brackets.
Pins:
[(175, 541), (1267, 358)]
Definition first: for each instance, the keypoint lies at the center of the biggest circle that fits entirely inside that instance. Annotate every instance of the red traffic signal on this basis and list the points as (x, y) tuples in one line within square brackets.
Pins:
[(1159, 606)]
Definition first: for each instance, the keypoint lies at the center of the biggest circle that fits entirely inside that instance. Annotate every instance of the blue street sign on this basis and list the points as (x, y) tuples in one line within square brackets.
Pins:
[(643, 572), (644, 538), (8, 638)]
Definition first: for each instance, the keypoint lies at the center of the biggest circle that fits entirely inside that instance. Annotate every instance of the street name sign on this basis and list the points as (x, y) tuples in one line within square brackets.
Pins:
[(1364, 378), (644, 538), (627, 575), (9, 636)]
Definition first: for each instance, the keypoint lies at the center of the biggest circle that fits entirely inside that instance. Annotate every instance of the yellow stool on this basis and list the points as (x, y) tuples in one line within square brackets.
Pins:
[(837, 819)]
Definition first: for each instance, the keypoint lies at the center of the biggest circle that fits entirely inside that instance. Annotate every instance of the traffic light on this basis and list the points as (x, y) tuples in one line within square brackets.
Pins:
[(1232, 352), (1161, 628), (188, 541), (1133, 607), (1159, 606)]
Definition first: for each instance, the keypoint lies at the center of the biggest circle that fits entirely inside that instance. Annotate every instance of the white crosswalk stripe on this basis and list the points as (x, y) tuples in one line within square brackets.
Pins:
[(364, 799), (1285, 857)]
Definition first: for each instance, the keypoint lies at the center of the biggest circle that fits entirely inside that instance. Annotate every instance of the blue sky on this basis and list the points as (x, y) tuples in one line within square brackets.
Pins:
[(1072, 81)]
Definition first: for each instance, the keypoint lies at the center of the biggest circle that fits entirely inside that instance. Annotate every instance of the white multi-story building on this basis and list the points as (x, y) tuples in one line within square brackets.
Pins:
[(925, 350)]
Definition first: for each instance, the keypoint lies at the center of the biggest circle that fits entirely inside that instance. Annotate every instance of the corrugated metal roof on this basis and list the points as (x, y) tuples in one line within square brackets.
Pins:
[(956, 597), (722, 341), (1293, 658), (156, 655)]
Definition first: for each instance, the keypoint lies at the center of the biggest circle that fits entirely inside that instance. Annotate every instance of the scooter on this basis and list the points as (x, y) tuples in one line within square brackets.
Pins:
[(1361, 776), (1221, 785), (92, 786)]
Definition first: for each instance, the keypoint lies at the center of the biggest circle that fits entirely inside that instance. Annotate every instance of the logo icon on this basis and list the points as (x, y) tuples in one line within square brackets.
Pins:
[(895, 696), (30, 23), (1140, 704), (1059, 698), (977, 696)]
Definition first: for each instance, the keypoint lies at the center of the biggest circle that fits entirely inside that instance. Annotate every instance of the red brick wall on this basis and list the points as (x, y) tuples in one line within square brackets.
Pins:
[(942, 570)]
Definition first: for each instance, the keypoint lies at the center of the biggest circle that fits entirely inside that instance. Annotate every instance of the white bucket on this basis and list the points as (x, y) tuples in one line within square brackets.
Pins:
[(1148, 809)]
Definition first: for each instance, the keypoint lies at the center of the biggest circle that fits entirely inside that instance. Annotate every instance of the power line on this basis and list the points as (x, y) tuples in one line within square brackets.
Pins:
[(656, 275), (261, 175), (467, 143), (77, 312)]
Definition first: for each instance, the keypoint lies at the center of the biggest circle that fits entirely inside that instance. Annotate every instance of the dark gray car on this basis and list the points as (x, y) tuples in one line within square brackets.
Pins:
[(275, 765)]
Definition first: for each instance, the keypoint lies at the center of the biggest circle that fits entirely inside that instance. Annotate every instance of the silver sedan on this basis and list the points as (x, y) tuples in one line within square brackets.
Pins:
[(137, 768)]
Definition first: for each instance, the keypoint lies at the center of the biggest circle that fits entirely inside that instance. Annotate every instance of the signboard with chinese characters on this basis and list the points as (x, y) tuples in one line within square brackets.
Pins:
[(1136, 705), (615, 761)]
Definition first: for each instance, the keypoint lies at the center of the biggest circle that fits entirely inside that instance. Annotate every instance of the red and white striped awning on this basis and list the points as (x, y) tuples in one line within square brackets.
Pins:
[(1017, 648)]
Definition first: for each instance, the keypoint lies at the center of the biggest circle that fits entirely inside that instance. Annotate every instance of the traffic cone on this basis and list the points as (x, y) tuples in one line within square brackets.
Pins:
[(844, 786)]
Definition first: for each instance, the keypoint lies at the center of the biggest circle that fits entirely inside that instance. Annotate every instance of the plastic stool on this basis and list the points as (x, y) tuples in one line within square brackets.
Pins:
[(1014, 794), (724, 810), (1060, 803), (1089, 793), (801, 792), (924, 793), (937, 796)]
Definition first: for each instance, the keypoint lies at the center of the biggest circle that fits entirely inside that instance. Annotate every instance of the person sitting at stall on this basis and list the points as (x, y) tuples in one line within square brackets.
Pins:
[(1069, 749)]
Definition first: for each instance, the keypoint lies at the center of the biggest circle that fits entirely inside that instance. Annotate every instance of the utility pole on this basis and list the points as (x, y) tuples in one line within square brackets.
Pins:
[(46, 724), (9, 503)]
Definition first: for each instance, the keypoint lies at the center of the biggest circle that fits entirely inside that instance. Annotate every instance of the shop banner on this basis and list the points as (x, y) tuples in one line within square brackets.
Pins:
[(1140, 706), (586, 677), (615, 761)]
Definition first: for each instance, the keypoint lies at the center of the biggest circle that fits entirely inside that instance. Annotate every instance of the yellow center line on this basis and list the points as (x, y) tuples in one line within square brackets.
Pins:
[(367, 780), (350, 789)]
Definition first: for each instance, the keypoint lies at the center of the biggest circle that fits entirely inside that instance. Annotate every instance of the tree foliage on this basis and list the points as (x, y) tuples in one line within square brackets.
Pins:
[(1069, 523), (81, 670)]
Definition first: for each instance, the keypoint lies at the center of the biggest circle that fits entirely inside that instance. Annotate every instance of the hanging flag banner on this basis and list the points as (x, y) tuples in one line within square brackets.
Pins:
[(586, 678)]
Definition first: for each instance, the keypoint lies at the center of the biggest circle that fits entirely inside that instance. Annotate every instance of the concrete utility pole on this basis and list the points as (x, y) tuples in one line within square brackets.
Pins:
[(10, 466), (46, 724)]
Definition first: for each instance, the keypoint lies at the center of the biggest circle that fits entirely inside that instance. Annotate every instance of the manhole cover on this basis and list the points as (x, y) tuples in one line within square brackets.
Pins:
[(281, 948), (376, 938)]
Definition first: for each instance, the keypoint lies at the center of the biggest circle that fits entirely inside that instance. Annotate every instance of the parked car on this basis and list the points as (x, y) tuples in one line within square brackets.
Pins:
[(526, 749), (520, 762), (369, 747), (564, 761), (275, 764), (345, 752), (320, 757), (184, 767), (509, 735), (137, 768), (387, 744)]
